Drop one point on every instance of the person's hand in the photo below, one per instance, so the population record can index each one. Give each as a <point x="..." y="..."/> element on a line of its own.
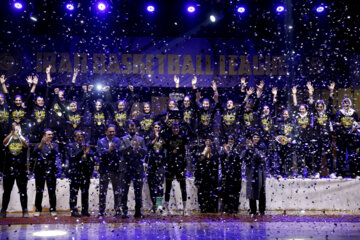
<point x="111" y="147"/>
<point x="76" y="72"/>
<point x="274" y="91"/>
<point x="84" y="88"/>
<point x="106" y="88"/>
<point x="90" y="87"/>
<point x="249" y="143"/>
<point x="2" y="79"/>
<point x="176" y="80"/>
<point x="250" y="91"/>
<point x="29" y="80"/>
<point x="332" y="86"/>
<point x="87" y="149"/>
<point x="243" y="82"/>
<point x="310" y="88"/>
<point x="136" y="142"/>
<point x="131" y="88"/>
<point x="194" y="81"/>
<point x="214" y="86"/>
<point x="294" y="90"/>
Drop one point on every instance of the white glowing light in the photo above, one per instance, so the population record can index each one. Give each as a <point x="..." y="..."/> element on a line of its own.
<point x="212" y="18"/>
<point x="49" y="233"/>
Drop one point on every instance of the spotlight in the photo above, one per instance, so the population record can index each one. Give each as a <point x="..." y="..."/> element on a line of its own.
<point x="191" y="9"/>
<point x="101" y="6"/>
<point x="150" y="8"/>
<point x="280" y="8"/>
<point x="70" y="6"/>
<point x="99" y="86"/>
<point x="212" y="18"/>
<point x="241" y="9"/>
<point x="320" y="9"/>
<point x="18" y="5"/>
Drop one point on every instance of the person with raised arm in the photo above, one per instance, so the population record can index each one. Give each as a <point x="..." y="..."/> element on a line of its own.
<point x="15" y="168"/>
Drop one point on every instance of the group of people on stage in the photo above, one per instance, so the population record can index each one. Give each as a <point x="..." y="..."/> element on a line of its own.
<point x="78" y="131"/>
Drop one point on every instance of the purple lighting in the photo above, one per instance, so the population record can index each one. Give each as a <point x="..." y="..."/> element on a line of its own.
<point x="241" y="10"/>
<point x="101" y="6"/>
<point x="150" y="8"/>
<point x="280" y="8"/>
<point x="70" y="6"/>
<point x="191" y="9"/>
<point x="320" y="9"/>
<point x="18" y="5"/>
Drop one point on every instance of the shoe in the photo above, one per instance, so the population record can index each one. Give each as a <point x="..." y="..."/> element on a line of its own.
<point x="316" y="176"/>
<point x="185" y="212"/>
<point x="339" y="177"/>
<point x="85" y="214"/>
<point x="53" y="214"/>
<point x="25" y="213"/>
<point x="75" y="214"/>
<point x="124" y="215"/>
<point x="333" y="176"/>
<point x="37" y="214"/>
<point x="118" y="214"/>
<point x="3" y="214"/>
<point x="357" y="177"/>
<point x="138" y="214"/>
<point x="101" y="215"/>
<point x="160" y="210"/>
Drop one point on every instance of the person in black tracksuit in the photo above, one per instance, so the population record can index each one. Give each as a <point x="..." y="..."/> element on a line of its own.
<point x="346" y="120"/>
<point x="255" y="160"/>
<point x="45" y="167"/>
<point x="145" y="121"/>
<point x="15" y="168"/>
<point x="121" y="111"/>
<point x="175" y="166"/>
<point x="231" y="177"/>
<point x="4" y="128"/>
<point x="207" y="177"/>
<point x="322" y="125"/>
<point x="81" y="165"/>
<point x="155" y="170"/>
<point x="284" y="126"/>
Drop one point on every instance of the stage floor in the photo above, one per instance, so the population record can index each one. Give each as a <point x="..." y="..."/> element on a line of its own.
<point x="296" y="225"/>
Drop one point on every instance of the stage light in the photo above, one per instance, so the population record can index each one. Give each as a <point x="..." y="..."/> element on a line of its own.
<point x="320" y="9"/>
<point x="241" y="9"/>
<point x="70" y="6"/>
<point x="212" y="18"/>
<point x="191" y="9"/>
<point x="101" y="6"/>
<point x="18" y="5"/>
<point x="280" y="8"/>
<point x="99" y="86"/>
<point x="50" y="233"/>
<point x="150" y="8"/>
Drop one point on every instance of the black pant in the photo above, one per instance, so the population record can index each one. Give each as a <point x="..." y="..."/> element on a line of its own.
<point x="304" y="157"/>
<point x="179" y="173"/>
<point x="323" y="149"/>
<point x="8" y="183"/>
<point x="82" y="183"/>
<point x="155" y="179"/>
<point x="262" y="203"/>
<point x="231" y="188"/>
<point x="285" y="153"/>
<point x="105" y="178"/>
<point x="345" y="147"/>
<point x="135" y="174"/>
<point x="40" y="179"/>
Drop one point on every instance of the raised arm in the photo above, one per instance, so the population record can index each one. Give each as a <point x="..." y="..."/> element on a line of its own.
<point x="294" y="91"/>
<point x="3" y="84"/>
<point x="259" y="89"/>
<point x="311" y="92"/>
<point x="216" y="93"/>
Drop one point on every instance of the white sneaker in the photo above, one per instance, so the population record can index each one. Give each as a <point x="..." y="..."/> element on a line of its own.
<point x="185" y="212"/>
<point x="160" y="210"/>
<point x="37" y="214"/>
<point x="316" y="176"/>
<point x="357" y="177"/>
<point x="53" y="214"/>
<point x="333" y="176"/>
<point x="340" y="177"/>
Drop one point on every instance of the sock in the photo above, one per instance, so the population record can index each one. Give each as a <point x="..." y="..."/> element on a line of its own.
<point x="158" y="202"/>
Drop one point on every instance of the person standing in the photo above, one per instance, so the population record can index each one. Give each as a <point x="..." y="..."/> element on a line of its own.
<point x="45" y="167"/>
<point x="133" y="150"/>
<point x="108" y="150"/>
<point x="15" y="168"/>
<point x="81" y="166"/>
